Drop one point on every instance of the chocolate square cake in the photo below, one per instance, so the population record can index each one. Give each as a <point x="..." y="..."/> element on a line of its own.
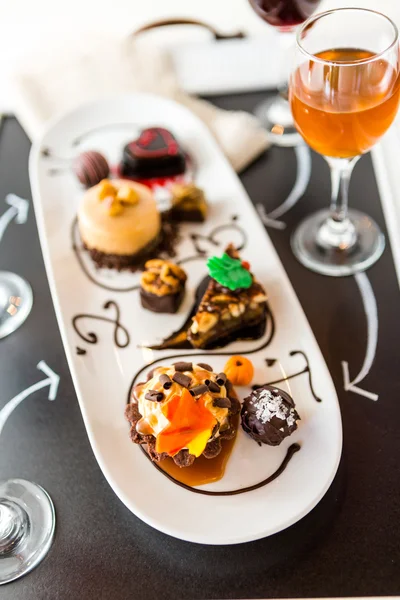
<point x="162" y="286"/>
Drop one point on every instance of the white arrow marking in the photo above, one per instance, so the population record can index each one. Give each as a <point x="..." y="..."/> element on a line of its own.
<point x="52" y="380"/>
<point x="303" y="156"/>
<point x="371" y="312"/>
<point x="18" y="210"/>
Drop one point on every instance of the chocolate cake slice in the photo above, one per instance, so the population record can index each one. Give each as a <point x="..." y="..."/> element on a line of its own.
<point x="234" y="301"/>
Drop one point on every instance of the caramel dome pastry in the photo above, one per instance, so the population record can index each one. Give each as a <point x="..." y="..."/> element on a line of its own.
<point x="119" y="223"/>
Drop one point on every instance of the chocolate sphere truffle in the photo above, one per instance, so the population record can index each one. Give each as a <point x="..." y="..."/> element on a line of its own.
<point x="269" y="415"/>
<point x="90" y="168"/>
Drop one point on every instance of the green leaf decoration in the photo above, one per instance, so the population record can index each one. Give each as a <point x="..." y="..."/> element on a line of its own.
<point x="229" y="272"/>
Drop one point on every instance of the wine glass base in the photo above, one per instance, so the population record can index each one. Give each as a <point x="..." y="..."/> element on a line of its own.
<point x="37" y="537"/>
<point x="334" y="261"/>
<point x="275" y="116"/>
<point x="16" y="299"/>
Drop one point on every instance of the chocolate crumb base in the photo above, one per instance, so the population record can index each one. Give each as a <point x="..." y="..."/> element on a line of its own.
<point x="163" y="244"/>
<point x="169" y="303"/>
<point x="189" y="216"/>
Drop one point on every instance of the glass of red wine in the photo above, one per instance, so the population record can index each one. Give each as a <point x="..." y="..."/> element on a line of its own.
<point x="274" y="113"/>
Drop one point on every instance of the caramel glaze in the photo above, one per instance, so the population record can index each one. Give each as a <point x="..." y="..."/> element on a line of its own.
<point x="203" y="470"/>
<point x="290" y="452"/>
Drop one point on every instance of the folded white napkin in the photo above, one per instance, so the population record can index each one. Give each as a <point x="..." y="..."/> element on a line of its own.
<point x="71" y="75"/>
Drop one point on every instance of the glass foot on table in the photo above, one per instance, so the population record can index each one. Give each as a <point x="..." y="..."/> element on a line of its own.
<point x="275" y="115"/>
<point x="310" y="247"/>
<point x="27" y="523"/>
<point x="16" y="301"/>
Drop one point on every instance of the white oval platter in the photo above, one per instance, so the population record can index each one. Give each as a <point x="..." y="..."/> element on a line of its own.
<point x="103" y="372"/>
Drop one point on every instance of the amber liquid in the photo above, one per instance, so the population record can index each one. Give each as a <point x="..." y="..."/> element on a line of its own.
<point x="203" y="470"/>
<point x="342" y="110"/>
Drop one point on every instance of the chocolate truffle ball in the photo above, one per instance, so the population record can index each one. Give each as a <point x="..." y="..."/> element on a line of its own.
<point x="269" y="415"/>
<point x="90" y="168"/>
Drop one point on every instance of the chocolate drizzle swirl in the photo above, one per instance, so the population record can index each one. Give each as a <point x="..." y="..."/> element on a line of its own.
<point x="211" y="238"/>
<point x="307" y="369"/>
<point x="170" y="238"/>
<point x="119" y="329"/>
<point x="290" y="452"/>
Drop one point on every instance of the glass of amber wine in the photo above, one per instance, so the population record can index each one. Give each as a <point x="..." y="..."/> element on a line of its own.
<point x="344" y="94"/>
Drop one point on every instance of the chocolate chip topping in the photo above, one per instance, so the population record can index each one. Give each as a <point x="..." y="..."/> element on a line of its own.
<point x="213" y="387"/>
<point x="221" y="379"/>
<point x="154" y="396"/>
<point x="183" y="380"/>
<point x="222" y="402"/>
<point x="198" y="390"/>
<point x="205" y="367"/>
<point x="183" y="366"/>
<point x="165" y="381"/>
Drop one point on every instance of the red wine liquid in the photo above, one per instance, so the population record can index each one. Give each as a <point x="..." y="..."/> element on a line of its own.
<point x="284" y="13"/>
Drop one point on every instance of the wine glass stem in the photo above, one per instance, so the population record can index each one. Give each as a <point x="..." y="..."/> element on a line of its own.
<point x="13" y="525"/>
<point x="338" y="231"/>
<point x="286" y="44"/>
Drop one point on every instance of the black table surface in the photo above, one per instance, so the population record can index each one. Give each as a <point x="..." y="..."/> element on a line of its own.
<point x="347" y="546"/>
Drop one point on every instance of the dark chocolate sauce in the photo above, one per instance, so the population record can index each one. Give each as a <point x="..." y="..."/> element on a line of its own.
<point x="212" y="236"/>
<point x="290" y="452"/>
<point x="178" y="339"/>
<point x="307" y="369"/>
<point x="119" y="329"/>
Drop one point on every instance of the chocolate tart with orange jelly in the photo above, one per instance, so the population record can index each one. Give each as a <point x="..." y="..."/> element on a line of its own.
<point x="233" y="301"/>
<point x="119" y="224"/>
<point x="183" y="412"/>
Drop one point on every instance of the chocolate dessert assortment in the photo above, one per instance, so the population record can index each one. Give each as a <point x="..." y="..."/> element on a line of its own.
<point x="162" y="286"/>
<point x="156" y="161"/>
<point x="182" y="412"/>
<point x="269" y="415"/>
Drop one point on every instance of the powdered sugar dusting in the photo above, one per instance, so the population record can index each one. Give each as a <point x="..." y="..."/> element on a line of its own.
<point x="267" y="406"/>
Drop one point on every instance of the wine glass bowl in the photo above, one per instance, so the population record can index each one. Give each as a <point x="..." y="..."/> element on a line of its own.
<point x="284" y="14"/>
<point x="342" y="112"/>
<point x="274" y="113"/>
<point x="344" y="95"/>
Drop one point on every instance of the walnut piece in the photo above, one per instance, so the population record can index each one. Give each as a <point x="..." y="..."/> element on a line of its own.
<point x="203" y="322"/>
<point x="162" y="277"/>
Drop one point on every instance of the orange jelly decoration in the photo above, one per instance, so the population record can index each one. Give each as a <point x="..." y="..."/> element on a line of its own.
<point x="190" y="425"/>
